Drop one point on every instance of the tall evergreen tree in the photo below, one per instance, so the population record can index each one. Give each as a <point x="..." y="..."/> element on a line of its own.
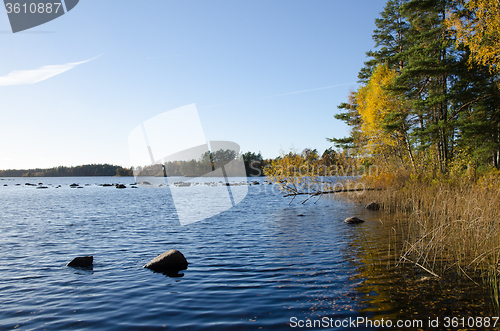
<point x="428" y="75"/>
<point x="350" y="116"/>
<point x="391" y="42"/>
<point x="476" y="108"/>
<point x="390" y="38"/>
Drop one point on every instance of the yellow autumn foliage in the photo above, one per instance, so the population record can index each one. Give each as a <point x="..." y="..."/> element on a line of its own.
<point x="480" y="32"/>
<point x="374" y="104"/>
<point x="295" y="173"/>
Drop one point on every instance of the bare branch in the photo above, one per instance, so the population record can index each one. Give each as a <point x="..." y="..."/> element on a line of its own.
<point x="331" y="192"/>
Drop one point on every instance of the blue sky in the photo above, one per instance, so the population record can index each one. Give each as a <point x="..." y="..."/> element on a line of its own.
<point x="267" y="75"/>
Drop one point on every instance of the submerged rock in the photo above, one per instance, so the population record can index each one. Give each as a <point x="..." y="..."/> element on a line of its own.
<point x="172" y="260"/>
<point x="353" y="220"/>
<point x="82" y="262"/>
<point x="373" y="206"/>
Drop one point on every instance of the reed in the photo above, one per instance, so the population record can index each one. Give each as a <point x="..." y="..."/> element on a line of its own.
<point x="447" y="224"/>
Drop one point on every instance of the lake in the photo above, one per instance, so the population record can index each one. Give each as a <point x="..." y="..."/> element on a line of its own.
<point x="262" y="264"/>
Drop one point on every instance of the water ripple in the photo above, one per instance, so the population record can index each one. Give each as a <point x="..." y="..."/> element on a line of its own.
<point x="254" y="266"/>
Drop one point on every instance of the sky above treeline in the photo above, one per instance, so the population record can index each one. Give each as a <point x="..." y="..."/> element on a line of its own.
<point x="267" y="75"/>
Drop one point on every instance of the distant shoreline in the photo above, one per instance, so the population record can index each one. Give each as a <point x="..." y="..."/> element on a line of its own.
<point x="87" y="170"/>
<point x="74" y="176"/>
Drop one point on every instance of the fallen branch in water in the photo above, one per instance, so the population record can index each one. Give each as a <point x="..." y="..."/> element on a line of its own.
<point x="421" y="266"/>
<point x="330" y="192"/>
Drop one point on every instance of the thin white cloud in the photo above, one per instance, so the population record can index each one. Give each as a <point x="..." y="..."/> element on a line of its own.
<point x="162" y="57"/>
<point x="21" y="77"/>
<point x="280" y="95"/>
<point x="309" y="90"/>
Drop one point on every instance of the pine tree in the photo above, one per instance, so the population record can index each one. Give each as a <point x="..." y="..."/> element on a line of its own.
<point x="428" y="75"/>
<point x="476" y="109"/>
<point x="390" y="40"/>
<point x="351" y="117"/>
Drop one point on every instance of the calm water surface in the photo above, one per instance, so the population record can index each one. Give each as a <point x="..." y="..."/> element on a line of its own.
<point x="252" y="267"/>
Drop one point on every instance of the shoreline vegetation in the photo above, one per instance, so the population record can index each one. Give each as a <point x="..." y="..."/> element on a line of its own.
<point x="228" y="162"/>
<point x="445" y="224"/>
<point x="425" y="132"/>
<point x="254" y="164"/>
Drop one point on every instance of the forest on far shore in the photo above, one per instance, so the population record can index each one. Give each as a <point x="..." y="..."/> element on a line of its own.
<point x="254" y="163"/>
<point x="77" y="171"/>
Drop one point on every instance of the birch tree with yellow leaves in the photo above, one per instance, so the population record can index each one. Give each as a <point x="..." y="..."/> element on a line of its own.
<point x="383" y="119"/>
<point x="478" y="28"/>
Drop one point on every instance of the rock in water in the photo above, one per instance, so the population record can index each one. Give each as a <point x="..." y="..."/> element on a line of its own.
<point x="353" y="220"/>
<point x="82" y="262"/>
<point x="168" y="261"/>
<point x="373" y="206"/>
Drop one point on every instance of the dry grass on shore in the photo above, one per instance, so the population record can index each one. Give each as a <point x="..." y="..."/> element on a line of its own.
<point x="450" y="224"/>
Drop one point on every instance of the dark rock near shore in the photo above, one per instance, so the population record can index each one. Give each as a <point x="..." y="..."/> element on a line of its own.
<point x="82" y="262"/>
<point x="168" y="262"/>
<point x="74" y="185"/>
<point x="120" y="186"/>
<point x="353" y="220"/>
<point x="373" y="206"/>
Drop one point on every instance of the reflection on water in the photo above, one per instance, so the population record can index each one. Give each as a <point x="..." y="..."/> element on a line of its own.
<point x="399" y="291"/>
